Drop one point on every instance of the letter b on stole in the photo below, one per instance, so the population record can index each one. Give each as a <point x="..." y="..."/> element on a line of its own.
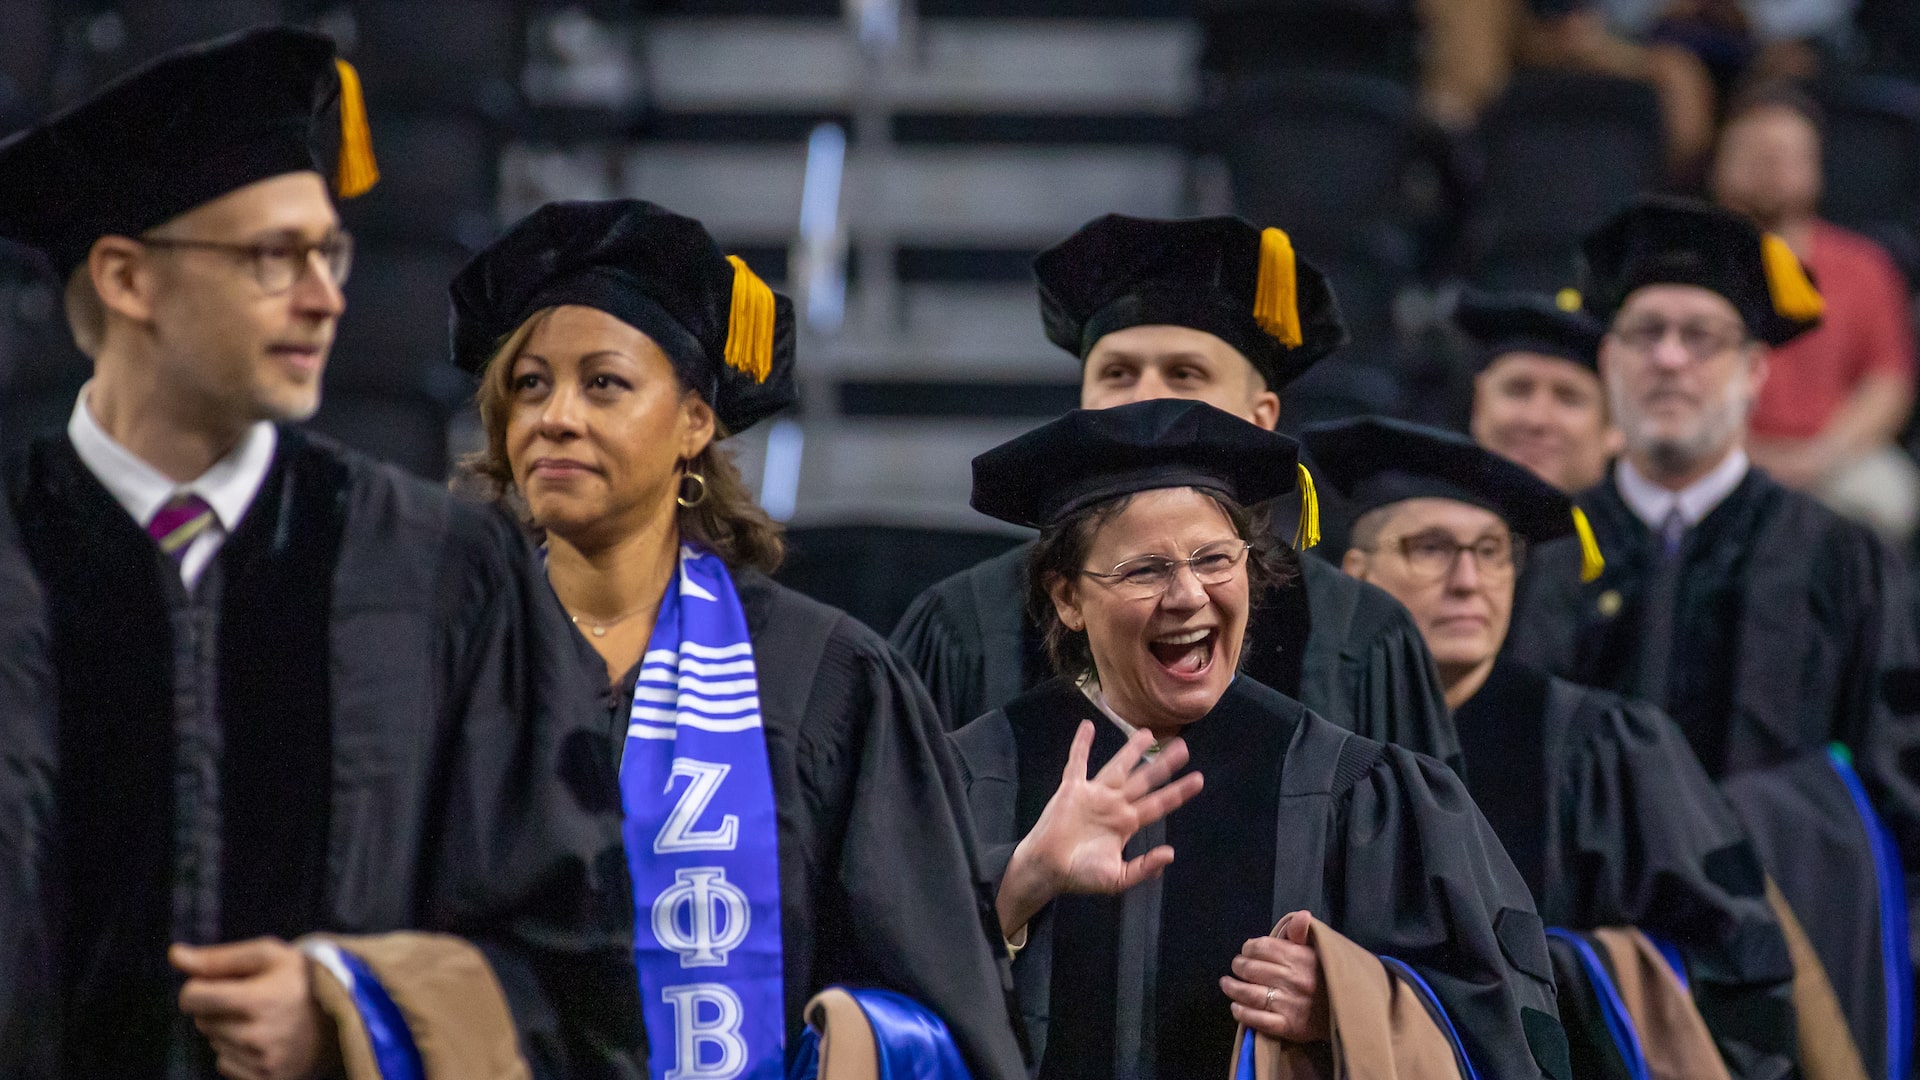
<point x="697" y="1036"/>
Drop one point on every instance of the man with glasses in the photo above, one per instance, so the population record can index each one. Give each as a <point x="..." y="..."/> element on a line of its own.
<point x="1189" y="309"/>
<point x="1766" y="625"/>
<point x="1599" y="801"/>
<point x="299" y="691"/>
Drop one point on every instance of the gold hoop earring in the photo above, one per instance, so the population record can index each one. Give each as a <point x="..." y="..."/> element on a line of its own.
<point x="698" y="498"/>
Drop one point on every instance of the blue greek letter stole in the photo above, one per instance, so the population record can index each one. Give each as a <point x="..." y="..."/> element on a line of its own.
<point x="702" y="840"/>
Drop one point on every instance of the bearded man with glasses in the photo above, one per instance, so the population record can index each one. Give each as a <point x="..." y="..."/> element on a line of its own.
<point x="308" y="706"/>
<point x="1778" y="635"/>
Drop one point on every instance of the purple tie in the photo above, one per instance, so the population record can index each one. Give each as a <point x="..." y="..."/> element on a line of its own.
<point x="1673" y="532"/>
<point x="184" y="517"/>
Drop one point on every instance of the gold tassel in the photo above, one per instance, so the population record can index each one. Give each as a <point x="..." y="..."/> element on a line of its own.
<point x="356" y="172"/>
<point x="1308" y="534"/>
<point x="1276" y="292"/>
<point x="1567" y="299"/>
<point x="1591" y="561"/>
<point x="1794" y="297"/>
<point x="750" y="323"/>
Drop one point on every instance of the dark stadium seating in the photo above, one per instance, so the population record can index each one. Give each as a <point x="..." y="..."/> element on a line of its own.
<point x="454" y="55"/>
<point x="1560" y="152"/>
<point x="873" y="572"/>
<point x="1872" y="143"/>
<point x="438" y="189"/>
<point x="1323" y="154"/>
<point x="1006" y="124"/>
<point x="155" y="26"/>
<point x="396" y="320"/>
<point x="405" y="426"/>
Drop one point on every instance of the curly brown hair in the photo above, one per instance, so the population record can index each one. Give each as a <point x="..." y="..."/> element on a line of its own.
<point x="1063" y="547"/>
<point x="727" y="521"/>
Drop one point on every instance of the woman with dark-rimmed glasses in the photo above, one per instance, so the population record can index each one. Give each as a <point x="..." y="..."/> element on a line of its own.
<point x="1140" y="899"/>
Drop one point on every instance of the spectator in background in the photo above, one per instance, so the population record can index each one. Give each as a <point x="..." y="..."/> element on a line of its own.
<point x="1829" y="416"/>
<point x="1739" y="39"/>
<point x="1578" y="35"/>
<point x="1457" y="52"/>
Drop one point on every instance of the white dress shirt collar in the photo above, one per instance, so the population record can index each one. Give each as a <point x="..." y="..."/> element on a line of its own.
<point x="1651" y="503"/>
<point x="228" y="487"/>
<point x="1090" y="687"/>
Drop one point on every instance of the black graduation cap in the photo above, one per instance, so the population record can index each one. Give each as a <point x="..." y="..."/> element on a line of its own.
<point x="1091" y="455"/>
<point x="180" y="131"/>
<point x="730" y="337"/>
<point x="1527" y="322"/>
<point x="1687" y="242"/>
<point x="1374" y="461"/>
<point x="1218" y="274"/>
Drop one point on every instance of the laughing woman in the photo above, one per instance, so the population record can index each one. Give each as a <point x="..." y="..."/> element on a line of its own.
<point x="792" y="819"/>
<point x="1137" y="963"/>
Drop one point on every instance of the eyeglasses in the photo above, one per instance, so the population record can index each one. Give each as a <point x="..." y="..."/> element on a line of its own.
<point x="1150" y="575"/>
<point x="277" y="264"/>
<point x="1431" y="555"/>
<point x="1701" y="340"/>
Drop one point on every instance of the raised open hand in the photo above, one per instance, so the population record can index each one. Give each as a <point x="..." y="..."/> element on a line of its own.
<point x="1078" y="844"/>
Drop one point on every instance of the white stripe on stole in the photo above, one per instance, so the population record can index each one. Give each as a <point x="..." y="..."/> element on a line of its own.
<point x="703" y="652"/>
<point x="702" y="687"/>
<point x="655" y="727"/>
<point x="654" y="667"/>
<point x="741" y="722"/>
<point x="694" y="702"/>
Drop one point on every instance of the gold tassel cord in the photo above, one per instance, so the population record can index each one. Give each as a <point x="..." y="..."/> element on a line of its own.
<point x="750" y="323"/>
<point x="1276" y="292"/>
<point x="1591" y="561"/>
<point x="356" y="172"/>
<point x="1794" y="297"/>
<point x="1308" y="534"/>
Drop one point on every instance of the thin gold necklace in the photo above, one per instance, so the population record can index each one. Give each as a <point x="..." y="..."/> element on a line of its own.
<point x="599" y="628"/>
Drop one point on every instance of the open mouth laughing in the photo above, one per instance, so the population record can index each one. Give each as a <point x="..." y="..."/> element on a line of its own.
<point x="1188" y="654"/>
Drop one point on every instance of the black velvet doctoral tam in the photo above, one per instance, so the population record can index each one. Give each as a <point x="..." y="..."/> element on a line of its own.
<point x="730" y="338"/>
<point x="1204" y="273"/>
<point x="180" y="131"/>
<point x="1374" y="461"/>
<point x="1671" y="241"/>
<point x="1526" y="322"/>
<point x="1092" y="455"/>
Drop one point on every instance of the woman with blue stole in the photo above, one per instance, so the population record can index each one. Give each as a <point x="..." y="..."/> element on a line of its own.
<point x="793" y="816"/>
<point x="1141" y="901"/>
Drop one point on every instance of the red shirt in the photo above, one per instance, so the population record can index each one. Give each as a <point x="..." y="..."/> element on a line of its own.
<point x="1867" y="329"/>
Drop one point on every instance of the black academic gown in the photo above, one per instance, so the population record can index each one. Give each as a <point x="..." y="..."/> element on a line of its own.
<point x="1345" y="648"/>
<point x="27" y="770"/>
<point x="1383" y="845"/>
<point x="1612" y="822"/>
<point x="1780" y="628"/>
<point x="368" y="716"/>
<point x="879" y="886"/>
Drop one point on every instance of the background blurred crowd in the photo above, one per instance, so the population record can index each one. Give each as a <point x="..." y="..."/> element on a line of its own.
<point x="896" y="166"/>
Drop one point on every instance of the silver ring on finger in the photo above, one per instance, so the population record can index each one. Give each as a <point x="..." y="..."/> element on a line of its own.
<point x="1266" y="1003"/>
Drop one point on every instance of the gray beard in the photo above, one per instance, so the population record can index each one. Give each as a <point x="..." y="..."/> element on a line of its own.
<point x="1679" y="455"/>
